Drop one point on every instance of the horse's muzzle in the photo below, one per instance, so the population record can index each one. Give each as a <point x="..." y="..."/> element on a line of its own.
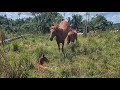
<point x="51" y="39"/>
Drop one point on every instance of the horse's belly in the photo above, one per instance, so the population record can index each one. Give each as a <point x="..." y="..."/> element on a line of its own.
<point x="60" y="40"/>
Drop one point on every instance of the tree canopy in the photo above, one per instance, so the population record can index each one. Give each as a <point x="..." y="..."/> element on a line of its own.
<point x="41" y="22"/>
<point x="99" y="22"/>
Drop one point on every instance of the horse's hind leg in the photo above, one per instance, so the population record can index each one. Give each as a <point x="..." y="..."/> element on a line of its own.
<point x="76" y="38"/>
<point x="63" y="49"/>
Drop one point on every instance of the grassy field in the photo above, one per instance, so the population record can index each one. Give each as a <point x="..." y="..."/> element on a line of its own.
<point x="96" y="56"/>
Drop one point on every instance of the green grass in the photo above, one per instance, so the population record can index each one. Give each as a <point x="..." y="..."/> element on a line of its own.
<point x="95" y="56"/>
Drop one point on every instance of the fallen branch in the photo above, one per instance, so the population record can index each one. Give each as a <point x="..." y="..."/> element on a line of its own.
<point x="13" y="39"/>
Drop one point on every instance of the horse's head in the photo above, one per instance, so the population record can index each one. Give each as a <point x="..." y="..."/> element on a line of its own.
<point x="53" y="31"/>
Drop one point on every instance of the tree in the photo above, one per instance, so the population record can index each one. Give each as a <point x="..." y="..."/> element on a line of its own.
<point x="40" y="22"/>
<point x="99" y="22"/>
<point x="116" y="26"/>
<point x="76" y="20"/>
<point x="45" y="20"/>
<point x="86" y="24"/>
<point x="109" y="26"/>
<point x="19" y="14"/>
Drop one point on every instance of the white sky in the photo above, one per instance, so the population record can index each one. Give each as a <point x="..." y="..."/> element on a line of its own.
<point x="111" y="16"/>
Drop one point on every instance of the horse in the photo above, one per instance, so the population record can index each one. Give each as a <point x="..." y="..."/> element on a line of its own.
<point x="72" y="36"/>
<point x="60" y="31"/>
<point x="42" y="59"/>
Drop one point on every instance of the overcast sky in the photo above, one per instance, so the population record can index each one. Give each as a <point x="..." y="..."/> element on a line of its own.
<point x="111" y="16"/>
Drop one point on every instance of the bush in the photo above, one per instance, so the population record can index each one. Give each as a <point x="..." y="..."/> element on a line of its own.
<point x="15" y="47"/>
<point x="118" y="39"/>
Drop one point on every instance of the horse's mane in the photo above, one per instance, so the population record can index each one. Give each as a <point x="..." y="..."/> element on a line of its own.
<point x="55" y="25"/>
<point x="64" y="25"/>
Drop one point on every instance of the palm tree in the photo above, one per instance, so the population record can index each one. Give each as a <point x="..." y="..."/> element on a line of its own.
<point x="19" y="14"/>
<point x="87" y="15"/>
<point x="64" y="15"/>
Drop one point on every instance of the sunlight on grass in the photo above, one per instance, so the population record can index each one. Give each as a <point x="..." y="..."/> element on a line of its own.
<point x="94" y="57"/>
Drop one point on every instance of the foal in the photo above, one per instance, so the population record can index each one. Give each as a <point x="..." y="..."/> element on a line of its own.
<point x="42" y="60"/>
<point x="72" y="36"/>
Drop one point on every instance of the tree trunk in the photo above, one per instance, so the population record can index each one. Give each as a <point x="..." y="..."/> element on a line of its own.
<point x="13" y="39"/>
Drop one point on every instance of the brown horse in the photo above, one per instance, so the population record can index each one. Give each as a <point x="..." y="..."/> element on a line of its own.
<point x="40" y="65"/>
<point x="43" y="59"/>
<point x="72" y="36"/>
<point x="61" y="32"/>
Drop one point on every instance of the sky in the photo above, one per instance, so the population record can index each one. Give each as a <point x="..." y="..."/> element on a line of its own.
<point x="110" y="16"/>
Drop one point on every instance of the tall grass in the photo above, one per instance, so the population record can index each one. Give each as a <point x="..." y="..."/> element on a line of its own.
<point x="94" y="56"/>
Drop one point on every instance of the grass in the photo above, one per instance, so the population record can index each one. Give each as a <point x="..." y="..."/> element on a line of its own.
<point x="96" y="56"/>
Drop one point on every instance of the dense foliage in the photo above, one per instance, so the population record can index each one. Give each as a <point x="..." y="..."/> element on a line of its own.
<point x="41" y="22"/>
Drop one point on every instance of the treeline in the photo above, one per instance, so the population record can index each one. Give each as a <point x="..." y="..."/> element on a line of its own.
<point x="41" y="22"/>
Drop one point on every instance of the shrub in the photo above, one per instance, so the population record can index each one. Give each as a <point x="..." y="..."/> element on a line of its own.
<point x="15" y="47"/>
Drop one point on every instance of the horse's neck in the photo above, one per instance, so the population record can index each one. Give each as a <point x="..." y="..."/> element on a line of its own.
<point x="63" y="34"/>
<point x="60" y="35"/>
<point x="66" y="32"/>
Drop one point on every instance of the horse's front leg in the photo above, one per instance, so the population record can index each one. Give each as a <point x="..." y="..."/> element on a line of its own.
<point x="68" y="40"/>
<point x="63" y="47"/>
<point x="76" y="39"/>
<point x="58" y="46"/>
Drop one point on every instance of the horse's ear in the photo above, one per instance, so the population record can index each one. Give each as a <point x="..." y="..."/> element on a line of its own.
<point x="52" y="24"/>
<point x="43" y="55"/>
